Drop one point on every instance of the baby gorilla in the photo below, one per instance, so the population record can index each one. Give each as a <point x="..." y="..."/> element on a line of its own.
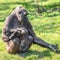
<point x="22" y="41"/>
<point x="18" y="33"/>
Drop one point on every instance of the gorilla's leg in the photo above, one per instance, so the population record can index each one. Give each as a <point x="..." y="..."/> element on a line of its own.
<point x="25" y="44"/>
<point x="13" y="46"/>
<point x="45" y="44"/>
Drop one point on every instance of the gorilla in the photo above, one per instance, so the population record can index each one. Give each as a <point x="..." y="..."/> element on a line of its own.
<point x="18" y="33"/>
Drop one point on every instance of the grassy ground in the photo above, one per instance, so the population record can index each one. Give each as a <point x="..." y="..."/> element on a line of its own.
<point x="46" y="26"/>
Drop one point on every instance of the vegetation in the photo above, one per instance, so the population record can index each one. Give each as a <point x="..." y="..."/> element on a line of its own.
<point x="46" y="25"/>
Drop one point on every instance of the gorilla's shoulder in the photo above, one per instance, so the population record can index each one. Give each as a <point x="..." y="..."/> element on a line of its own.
<point x="8" y="18"/>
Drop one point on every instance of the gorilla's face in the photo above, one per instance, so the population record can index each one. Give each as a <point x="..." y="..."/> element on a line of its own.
<point x="21" y="13"/>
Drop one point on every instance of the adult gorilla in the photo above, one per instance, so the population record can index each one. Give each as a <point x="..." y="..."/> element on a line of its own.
<point x="18" y="33"/>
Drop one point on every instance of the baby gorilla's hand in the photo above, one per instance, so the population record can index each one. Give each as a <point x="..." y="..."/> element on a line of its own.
<point x="22" y="31"/>
<point x="13" y="30"/>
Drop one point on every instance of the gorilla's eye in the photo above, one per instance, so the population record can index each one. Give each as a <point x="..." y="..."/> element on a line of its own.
<point x="20" y="12"/>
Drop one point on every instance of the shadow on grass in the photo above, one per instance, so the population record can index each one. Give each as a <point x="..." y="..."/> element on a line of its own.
<point x="58" y="52"/>
<point x="1" y="20"/>
<point x="52" y="15"/>
<point x="0" y="31"/>
<point x="4" y="6"/>
<point x="40" y="54"/>
<point x="54" y="5"/>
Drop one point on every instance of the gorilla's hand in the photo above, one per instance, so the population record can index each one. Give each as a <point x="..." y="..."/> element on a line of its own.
<point x="54" y="48"/>
<point x="6" y="39"/>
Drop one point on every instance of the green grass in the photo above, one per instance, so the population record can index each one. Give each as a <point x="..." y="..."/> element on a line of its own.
<point x="45" y="25"/>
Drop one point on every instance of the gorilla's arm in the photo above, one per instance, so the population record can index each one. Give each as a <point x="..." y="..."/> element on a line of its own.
<point x="6" y="33"/>
<point x="29" y="27"/>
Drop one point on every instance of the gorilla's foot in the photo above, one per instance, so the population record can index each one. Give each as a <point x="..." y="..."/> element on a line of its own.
<point x="54" y="48"/>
